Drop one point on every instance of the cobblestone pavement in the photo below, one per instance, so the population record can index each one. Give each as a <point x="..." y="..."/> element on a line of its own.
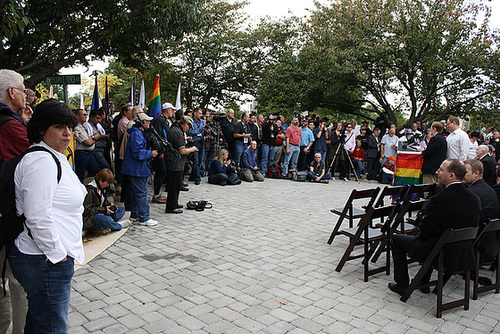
<point x="257" y="262"/>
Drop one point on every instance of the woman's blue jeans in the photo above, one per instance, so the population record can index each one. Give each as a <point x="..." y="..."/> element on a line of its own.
<point x="48" y="287"/>
<point x="138" y="189"/>
<point x="105" y="221"/>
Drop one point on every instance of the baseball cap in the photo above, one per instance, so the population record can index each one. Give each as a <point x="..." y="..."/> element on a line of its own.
<point x="143" y="117"/>
<point x="167" y="106"/>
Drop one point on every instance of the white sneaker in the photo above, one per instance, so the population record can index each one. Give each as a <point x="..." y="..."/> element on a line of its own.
<point x="125" y="223"/>
<point x="150" y="222"/>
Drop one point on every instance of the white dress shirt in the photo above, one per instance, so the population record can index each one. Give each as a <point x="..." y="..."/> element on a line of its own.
<point x="53" y="210"/>
<point x="458" y="145"/>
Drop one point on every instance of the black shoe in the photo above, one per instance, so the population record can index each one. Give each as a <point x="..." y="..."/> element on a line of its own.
<point x="184" y="189"/>
<point x="397" y="289"/>
<point x="425" y="290"/>
<point x="174" y="211"/>
<point x="180" y="206"/>
<point x="184" y="184"/>
<point x="222" y="183"/>
<point x="197" y="182"/>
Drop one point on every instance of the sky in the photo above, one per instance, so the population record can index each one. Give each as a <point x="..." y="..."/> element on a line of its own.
<point x="256" y="9"/>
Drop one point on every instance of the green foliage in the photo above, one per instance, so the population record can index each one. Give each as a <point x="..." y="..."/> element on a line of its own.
<point x="426" y="58"/>
<point x="64" y="33"/>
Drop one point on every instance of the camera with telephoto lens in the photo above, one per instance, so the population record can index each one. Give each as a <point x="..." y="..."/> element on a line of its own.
<point x="158" y="143"/>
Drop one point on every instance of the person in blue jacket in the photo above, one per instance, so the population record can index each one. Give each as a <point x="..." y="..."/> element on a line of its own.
<point x="221" y="170"/>
<point x="135" y="165"/>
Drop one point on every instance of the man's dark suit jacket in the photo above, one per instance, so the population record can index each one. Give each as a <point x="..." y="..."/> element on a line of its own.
<point x="489" y="165"/>
<point x="372" y="143"/>
<point x="490" y="244"/>
<point x="434" y="154"/>
<point x="454" y="207"/>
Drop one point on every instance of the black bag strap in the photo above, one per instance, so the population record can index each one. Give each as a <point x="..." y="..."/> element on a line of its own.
<point x="43" y="149"/>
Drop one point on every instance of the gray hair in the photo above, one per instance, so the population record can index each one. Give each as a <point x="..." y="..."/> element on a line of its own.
<point x="9" y="78"/>
<point x="136" y="110"/>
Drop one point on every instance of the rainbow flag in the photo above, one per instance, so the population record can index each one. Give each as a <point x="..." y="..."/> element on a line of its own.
<point x="155" y="102"/>
<point x="408" y="168"/>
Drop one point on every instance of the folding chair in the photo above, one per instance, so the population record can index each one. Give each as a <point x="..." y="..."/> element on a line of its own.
<point x="353" y="213"/>
<point x="449" y="236"/>
<point x="417" y="189"/>
<point x="396" y="191"/>
<point x="368" y="236"/>
<point x="492" y="227"/>
<point x="399" y="220"/>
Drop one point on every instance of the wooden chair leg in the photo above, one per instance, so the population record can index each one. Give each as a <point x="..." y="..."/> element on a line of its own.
<point x="497" y="289"/>
<point x="439" y="308"/>
<point x="346" y="255"/>
<point x="335" y="229"/>
<point x="475" y="291"/>
<point x="467" y="290"/>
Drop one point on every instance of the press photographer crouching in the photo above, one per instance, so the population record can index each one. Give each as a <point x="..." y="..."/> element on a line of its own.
<point x="221" y="170"/>
<point x="101" y="216"/>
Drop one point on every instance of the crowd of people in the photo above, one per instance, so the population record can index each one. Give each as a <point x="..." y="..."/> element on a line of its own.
<point x="97" y="156"/>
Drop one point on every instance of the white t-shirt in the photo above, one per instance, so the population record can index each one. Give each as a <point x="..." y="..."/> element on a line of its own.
<point x="53" y="210"/>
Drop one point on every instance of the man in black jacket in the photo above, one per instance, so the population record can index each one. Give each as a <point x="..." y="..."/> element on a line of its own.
<point x="434" y="154"/>
<point x="489" y="164"/>
<point x="490" y="244"/>
<point x="373" y="154"/>
<point x="454" y="207"/>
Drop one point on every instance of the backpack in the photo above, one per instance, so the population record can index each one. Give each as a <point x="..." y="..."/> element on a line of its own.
<point x="299" y="176"/>
<point x="5" y="118"/>
<point x="274" y="172"/>
<point x="11" y="225"/>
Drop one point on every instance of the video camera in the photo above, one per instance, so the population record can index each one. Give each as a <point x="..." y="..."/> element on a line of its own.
<point x="158" y="143"/>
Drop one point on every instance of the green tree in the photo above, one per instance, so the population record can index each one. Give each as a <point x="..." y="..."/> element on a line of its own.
<point x="223" y="58"/>
<point x="425" y="58"/>
<point x="43" y="36"/>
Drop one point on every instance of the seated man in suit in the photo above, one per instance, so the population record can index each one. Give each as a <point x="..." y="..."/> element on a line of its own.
<point x="490" y="244"/>
<point x="454" y="207"/>
<point x="489" y="164"/>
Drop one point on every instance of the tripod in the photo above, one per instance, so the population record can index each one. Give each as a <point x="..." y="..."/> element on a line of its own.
<point x="336" y="157"/>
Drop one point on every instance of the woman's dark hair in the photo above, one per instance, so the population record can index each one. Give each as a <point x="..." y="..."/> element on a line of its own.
<point x="47" y="113"/>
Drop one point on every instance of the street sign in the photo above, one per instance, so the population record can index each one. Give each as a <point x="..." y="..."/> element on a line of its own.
<point x="71" y="79"/>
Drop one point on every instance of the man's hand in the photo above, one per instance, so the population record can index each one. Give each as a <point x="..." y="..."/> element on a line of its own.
<point x="155" y="153"/>
<point x="306" y="149"/>
<point x="318" y="179"/>
<point x="255" y="168"/>
<point x="287" y="151"/>
<point x="26" y="113"/>
<point x="194" y="149"/>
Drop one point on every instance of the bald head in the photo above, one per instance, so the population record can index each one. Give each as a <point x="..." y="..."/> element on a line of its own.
<point x="481" y="151"/>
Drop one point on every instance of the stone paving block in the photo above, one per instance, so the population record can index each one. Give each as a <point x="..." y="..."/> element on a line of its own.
<point x="267" y="274"/>
<point x="131" y="321"/>
<point x="116" y="329"/>
<point x="98" y="324"/>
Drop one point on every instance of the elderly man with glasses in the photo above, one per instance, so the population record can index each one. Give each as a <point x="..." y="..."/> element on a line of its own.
<point x="14" y="113"/>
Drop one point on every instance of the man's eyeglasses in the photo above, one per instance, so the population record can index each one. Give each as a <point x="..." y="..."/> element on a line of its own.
<point x="25" y="91"/>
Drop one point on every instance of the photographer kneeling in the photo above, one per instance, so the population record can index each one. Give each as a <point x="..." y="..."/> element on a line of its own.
<point x="221" y="170"/>
<point x="250" y="171"/>
<point x="102" y="216"/>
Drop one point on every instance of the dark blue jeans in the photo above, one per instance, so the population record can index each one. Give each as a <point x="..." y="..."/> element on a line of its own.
<point x="138" y="189"/>
<point x="48" y="287"/>
<point x="267" y="157"/>
<point x="98" y="153"/>
<point x="84" y="160"/>
<point x="238" y="151"/>
<point x="218" y="178"/>
<point x="105" y="221"/>
<point x="198" y="160"/>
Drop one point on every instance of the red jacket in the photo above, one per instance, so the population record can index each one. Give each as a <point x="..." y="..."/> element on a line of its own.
<point x="13" y="135"/>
